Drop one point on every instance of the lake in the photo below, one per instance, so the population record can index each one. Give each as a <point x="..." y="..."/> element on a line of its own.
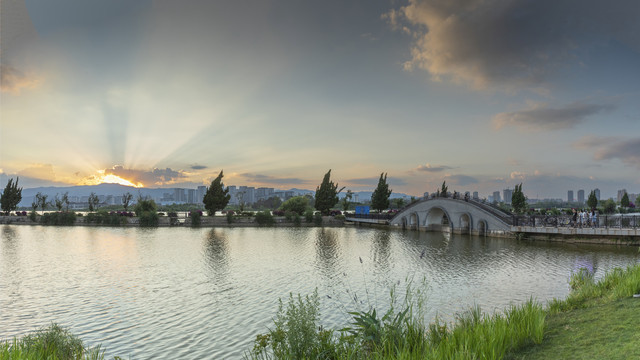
<point x="206" y="293"/>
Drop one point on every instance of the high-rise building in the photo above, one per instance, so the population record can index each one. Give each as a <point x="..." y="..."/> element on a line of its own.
<point x="508" y="193"/>
<point x="597" y="192"/>
<point x="570" y="196"/>
<point x="201" y="191"/>
<point x="581" y="196"/>
<point x="475" y="195"/>
<point x="496" y="196"/>
<point x="621" y="194"/>
<point x="178" y="195"/>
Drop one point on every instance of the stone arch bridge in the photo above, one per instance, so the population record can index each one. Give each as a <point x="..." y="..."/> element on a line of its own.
<point x="455" y="216"/>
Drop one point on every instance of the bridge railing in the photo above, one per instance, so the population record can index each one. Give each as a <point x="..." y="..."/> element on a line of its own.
<point x="601" y="221"/>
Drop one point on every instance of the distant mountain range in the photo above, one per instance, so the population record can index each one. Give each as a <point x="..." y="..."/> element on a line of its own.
<point x="28" y="195"/>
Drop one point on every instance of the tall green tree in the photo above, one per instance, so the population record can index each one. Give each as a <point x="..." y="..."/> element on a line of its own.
<point x="609" y="206"/>
<point x="216" y="197"/>
<point x="625" y="200"/>
<point x="297" y="204"/>
<point x="592" y="201"/>
<point x="518" y="200"/>
<point x="380" y="196"/>
<point x="326" y="194"/>
<point x="11" y="196"/>
<point x="444" y="190"/>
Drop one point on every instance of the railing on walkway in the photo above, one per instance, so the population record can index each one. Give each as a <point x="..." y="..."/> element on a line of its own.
<point x="601" y="221"/>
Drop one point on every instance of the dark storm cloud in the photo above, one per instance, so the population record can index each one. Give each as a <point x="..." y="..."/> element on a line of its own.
<point x="266" y="179"/>
<point x="198" y="167"/>
<point x="542" y="117"/>
<point x="608" y="148"/>
<point x="510" y="43"/>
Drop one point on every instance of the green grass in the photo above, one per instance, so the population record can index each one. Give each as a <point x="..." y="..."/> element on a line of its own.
<point x="52" y="343"/>
<point x="602" y="331"/>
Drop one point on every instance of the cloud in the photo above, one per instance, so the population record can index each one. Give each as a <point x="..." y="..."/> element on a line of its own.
<point x="13" y="81"/>
<point x="542" y="117"/>
<point x="429" y="168"/>
<point x="461" y="180"/>
<point x="266" y="179"/>
<point x="373" y="181"/>
<point x="517" y="175"/>
<point x="38" y="171"/>
<point x="608" y="148"/>
<point x="147" y="177"/>
<point x="510" y="44"/>
<point x="198" y="167"/>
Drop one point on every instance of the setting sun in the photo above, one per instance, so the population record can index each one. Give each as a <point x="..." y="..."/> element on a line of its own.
<point x="103" y="178"/>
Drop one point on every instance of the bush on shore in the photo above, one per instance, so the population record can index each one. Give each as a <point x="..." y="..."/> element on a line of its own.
<point x="53" y="342"/>
<point x="58" y="218"/>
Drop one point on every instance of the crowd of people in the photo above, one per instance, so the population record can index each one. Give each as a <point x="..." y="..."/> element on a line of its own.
<point x="585" y="218"/>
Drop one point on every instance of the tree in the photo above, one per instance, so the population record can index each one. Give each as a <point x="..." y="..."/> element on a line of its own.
<point x="42" y="200"/>
<point x="240" y="199"/>
<point x="126" y="199"/>
<point x="609" y="206"/>
<point x="93" y="201"/>
<point x="637" y="201"/>
<point x="346" y="200"/>
<point x="518" y="200"/>
<point x="380" y="196"/>
<point x="326" y="194"/>
<point x="11" y="196"/>
<point x="592" y="201"/>
<point x="297" y="204"/>
<point x="216" y="197"/>
<point x="444" y="190"/>
<point x="625" y="200"/>
<point x="65" y="200"/>
<point x="58" y="202"/>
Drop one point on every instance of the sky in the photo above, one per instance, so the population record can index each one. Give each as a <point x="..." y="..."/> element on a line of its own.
<point x="480" y="94"/>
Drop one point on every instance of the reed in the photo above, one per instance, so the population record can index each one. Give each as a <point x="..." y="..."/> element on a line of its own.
<point x="53" y="342"/>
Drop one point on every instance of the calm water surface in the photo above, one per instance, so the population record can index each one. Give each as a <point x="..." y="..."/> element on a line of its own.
<point x="205" y="293"/>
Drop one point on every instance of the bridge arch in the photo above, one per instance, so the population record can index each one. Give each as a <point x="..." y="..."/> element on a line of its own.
<point x="454" y="215"/>
<point x="438" y="219"/>
<point x="414" y="221"/>
<point x="482" y="227"/>
<point x="465" y="224"/>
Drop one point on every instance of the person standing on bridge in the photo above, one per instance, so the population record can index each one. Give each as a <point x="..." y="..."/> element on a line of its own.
<point x="574" y="218"/>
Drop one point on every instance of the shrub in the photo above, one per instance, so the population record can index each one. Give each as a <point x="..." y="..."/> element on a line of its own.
<point x="33" y="216"/>
<point x="289" y="215"/>
<point x="230" y="218"/>
<point x="264" y="218"/>
<point x="296" y="204"/>
<point x="278" y="213"/>
<point x="308" y="215"/>
<point x="53" y="342"/>
<point x="317" y="219"/>
<point x="58" y="218"/>
<point x="297" y="220"/>
<point x="148" y="218"/>
<point x="340" y="217"/>
<point x="196" y="218"/>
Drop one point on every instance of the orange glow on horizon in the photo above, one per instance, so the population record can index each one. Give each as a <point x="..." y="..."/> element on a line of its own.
<point x="109" y="179"/>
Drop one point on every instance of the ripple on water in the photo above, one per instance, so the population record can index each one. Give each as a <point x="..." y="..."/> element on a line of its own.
<point x="206" y="293"/>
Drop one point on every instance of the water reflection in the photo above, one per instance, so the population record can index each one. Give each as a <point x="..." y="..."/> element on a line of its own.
<point x="216" y="255"/>
<point x="381" y="248"/>
<point x="327" y="251"/>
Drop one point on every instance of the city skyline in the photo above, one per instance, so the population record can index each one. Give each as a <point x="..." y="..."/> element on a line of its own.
<point x="160" y="94"/>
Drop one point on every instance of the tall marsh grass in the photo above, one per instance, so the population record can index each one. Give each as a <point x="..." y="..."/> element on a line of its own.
<point x="399" y="333"/>
<point x="616" y="284"/>
<point x="53" y="342"/>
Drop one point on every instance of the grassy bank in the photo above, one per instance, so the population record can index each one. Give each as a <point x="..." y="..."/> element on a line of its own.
<point x="52" y="343"/>
<point x="597" y="320"/>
